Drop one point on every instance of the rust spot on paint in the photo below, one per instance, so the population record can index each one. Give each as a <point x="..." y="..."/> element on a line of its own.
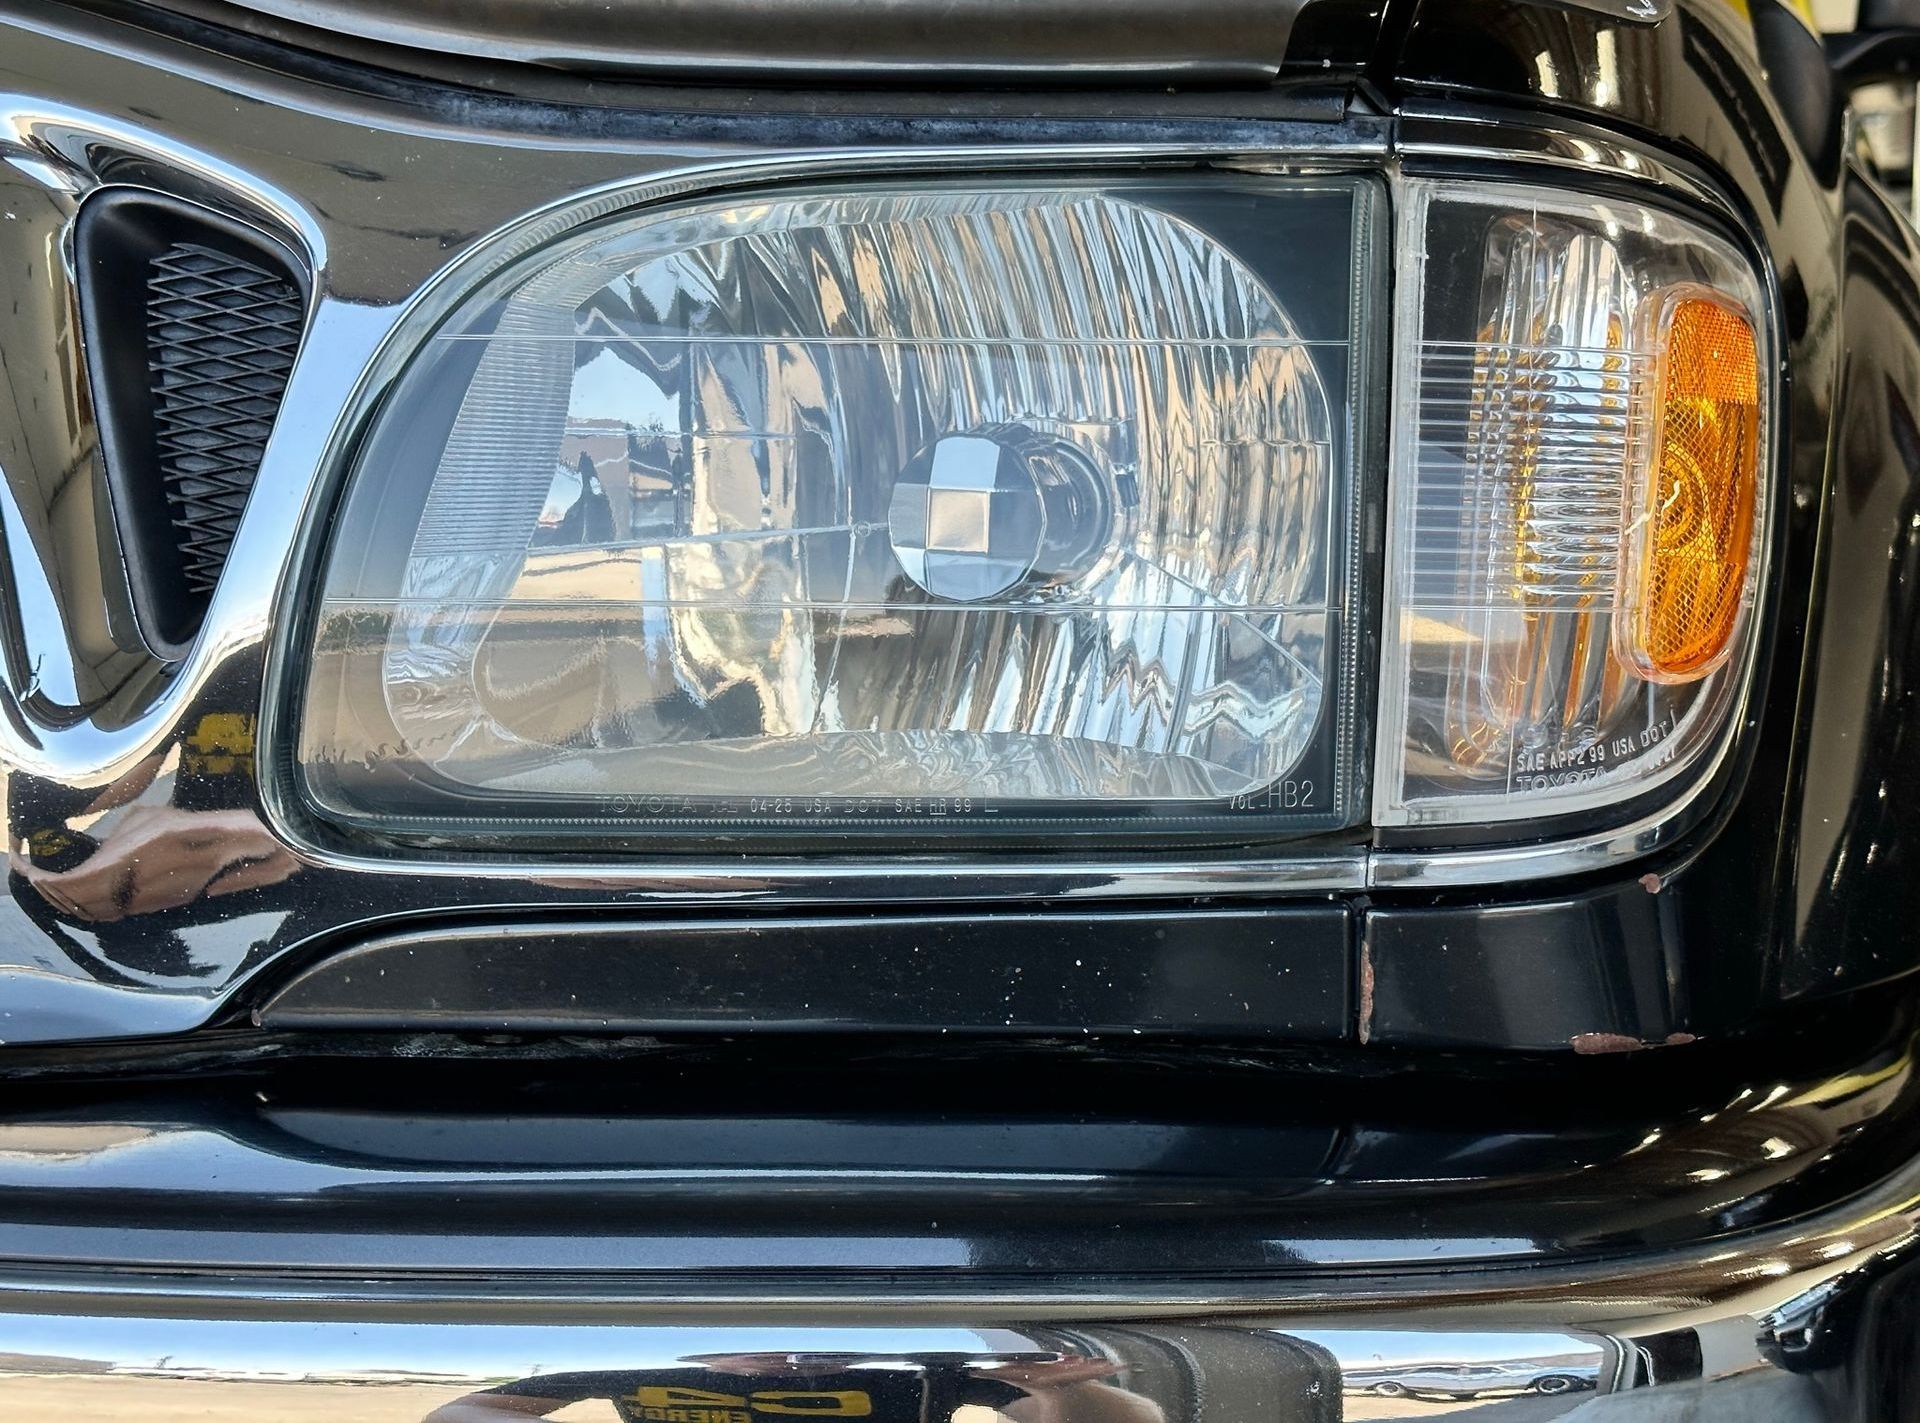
<point x="1651" y="883"/>
<point x="1366" y="992"/>
<point x="1587" y="1044"/>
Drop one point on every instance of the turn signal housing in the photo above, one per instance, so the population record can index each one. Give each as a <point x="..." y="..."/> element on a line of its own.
<point x="1577" y="507"/>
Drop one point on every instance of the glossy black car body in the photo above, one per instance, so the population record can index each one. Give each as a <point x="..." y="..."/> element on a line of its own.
<point x="281" y="1101"/>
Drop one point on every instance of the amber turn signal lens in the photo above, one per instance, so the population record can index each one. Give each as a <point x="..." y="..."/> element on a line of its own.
<point x="1691" y="546"/>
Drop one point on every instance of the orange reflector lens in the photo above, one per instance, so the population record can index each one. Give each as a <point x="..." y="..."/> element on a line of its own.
<point x="1692" y="546"/>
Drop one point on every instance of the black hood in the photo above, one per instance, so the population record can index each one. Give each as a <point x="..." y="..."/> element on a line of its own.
<point x="1074" y="42"/>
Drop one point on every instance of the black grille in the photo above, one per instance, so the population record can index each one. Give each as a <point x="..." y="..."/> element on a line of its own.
<point x="191" y="321"/>
<point x="221" y="336"/>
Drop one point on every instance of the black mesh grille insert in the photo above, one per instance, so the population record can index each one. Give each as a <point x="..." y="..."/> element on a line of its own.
<point x="191" y="321"/>
<point x="221" y="335"/>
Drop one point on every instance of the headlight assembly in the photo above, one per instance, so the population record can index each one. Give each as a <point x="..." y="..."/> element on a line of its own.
<point x="977" y="508"/>
<point x="1005" y="508"/>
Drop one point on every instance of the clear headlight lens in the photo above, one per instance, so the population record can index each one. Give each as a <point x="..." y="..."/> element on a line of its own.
<point x="1577" y="510"/>
<point x="983" y="508"/>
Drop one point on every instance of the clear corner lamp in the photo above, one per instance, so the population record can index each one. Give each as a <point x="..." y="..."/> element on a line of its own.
<point x="982" y="507"/>
<point x="1578" y="515"/>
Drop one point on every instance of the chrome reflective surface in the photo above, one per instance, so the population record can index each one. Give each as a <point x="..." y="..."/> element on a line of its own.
<point x="1069" y="1371"/>
<point x="1818" y="1325"/>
